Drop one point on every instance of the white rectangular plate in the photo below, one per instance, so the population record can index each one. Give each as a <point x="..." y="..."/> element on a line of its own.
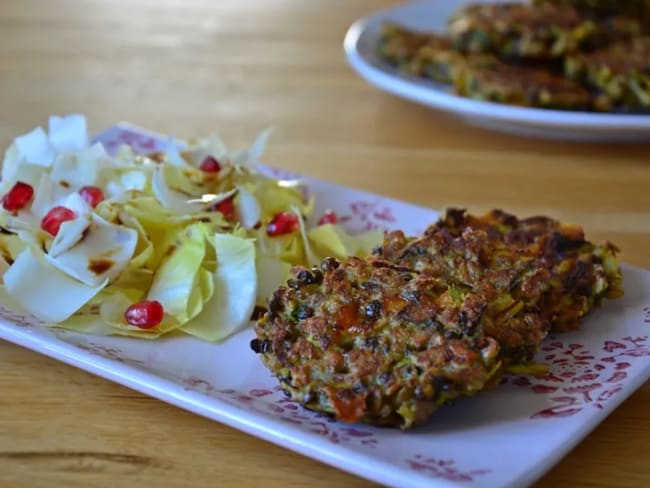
<point x="477" y="441"/>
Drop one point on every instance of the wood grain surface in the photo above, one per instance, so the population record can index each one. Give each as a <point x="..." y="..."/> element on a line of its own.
<point x="237" y="66"/>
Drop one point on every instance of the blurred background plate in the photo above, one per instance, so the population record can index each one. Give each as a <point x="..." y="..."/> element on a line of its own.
<point x="432" y="15"/>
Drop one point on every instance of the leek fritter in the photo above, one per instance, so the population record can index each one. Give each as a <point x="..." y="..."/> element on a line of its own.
<point x="546" y="267"/>
<point x="618" y="74"/>
<point x="524" y="86"/>
<point x="539" y="32"/>
<point x="367" y="341"/>
<point x="426" y="55"/>
<point x="399" y="45"/>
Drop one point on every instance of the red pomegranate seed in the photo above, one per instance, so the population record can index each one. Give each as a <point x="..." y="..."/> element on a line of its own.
<point x="283" y="223"/>
<point x="329" y="217"/>
<point x="19" y="196"/>
<point x="210" y="165"/>
<point x="55" y="217"/>
<point x="145" y="314"/>
<point x="92" y="195"/>
<point x="227" y="208"/>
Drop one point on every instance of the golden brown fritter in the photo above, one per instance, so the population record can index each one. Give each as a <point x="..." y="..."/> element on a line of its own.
<point x="538" y="32"/>
<point x="399" y="45"/>
<point x="618" y="74"/>
<point x="389" y="339"/>
<point x="426" y="54"/>
<point x="539" y="264"/>
<point x="585" y="55"/>
<point x="479" y="76"/>
<point x="461" y="261"/>
<point x="525" y="86"/>
<point x="367" y="341"/>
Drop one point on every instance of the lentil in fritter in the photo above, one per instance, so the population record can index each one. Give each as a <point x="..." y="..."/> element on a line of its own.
<point x="426" y="55"/>
<point x="619" y="74"/>
<point x="539" y="32"/>
<point x="524" y="86"/>
<point x="543" y="266"/>
<point x="368" y="341"/>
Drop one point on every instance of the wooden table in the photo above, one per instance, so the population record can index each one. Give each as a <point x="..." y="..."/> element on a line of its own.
<point x="191" y="67"/>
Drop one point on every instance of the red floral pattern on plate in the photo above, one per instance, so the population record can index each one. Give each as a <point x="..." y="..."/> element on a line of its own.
<point x="442" y="468"/>
<point x="23" y="320"/>
<point x="109" y="353"/>
<point x="364" y="215"/>
<point x="139" y="142"/>
<point x="579" y="378"/>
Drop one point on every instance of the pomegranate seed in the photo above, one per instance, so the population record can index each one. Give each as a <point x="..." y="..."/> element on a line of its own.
<point x="91" y="195"/>
<point x="227" y="208"/>
<point x="19" y="196"/>
<point x="329" y="217"/>
<point x="145" y="314"/>
<point x="283" y="223"/>
<point x="55" y="217"/>
<point x="210" y="165"/>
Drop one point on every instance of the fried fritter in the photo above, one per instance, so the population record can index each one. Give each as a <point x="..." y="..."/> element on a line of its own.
<point x="462" y="260"/>
<point x="426" y="55"/>
<point x="538" y="32"/>
<point x="633" y="8"/>
<point x="526" y="86"/>
<point x="536" y="265"/>
<point x="399" y="45"/>
<point x="619" y="73"/>
<point x="449" y="66"/>
<point x="479" y="76"/>
<point x="367" y="341"/>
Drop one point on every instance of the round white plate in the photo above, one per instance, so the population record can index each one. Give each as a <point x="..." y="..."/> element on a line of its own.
<point x="431" y="15"/>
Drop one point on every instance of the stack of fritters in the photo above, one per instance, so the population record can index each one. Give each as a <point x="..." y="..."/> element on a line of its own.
<point x="388" y="339"/>
<point x="533" y="54"/>
<point x="536" y="272"/>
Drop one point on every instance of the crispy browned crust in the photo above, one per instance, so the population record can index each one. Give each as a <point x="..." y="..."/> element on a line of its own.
<point x="398" y="44"/>
<point x="527" y="86"/>
<point x="420" y="54"/>
<point x="618" y="74"/>
<point x="479" y="76"/>
<point x="462" y="260"/>
<point x="514" y="53"/>
<point x="364" y="340"/>
<point x="539" y="32"/>
<point x="547" y="268"/>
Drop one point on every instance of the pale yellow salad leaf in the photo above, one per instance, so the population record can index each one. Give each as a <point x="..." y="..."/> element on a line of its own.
<point x="332" y="240"/>
<point x="235" y="289"/>
<point x="33" y="282"/>
<point x="177" y="282"/>
<point x="271" y="273"/>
